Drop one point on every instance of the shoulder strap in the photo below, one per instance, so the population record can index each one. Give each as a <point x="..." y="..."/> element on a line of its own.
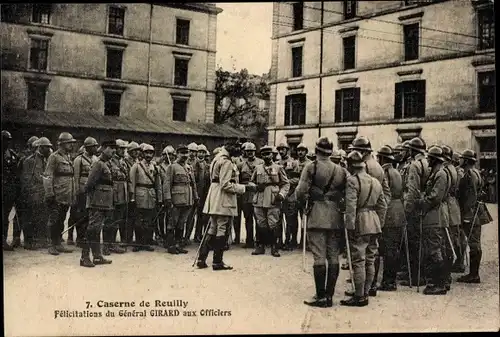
<point x="327" y="187"/>
<point x="147" y="173"/>
<point x="369" y="192"/>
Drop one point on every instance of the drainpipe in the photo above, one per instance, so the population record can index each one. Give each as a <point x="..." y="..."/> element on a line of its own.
<point x="149" y="57"/>
<point x="321" y="69"/>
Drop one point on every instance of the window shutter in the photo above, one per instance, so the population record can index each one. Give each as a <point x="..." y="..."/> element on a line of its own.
<point x="288" y="100"/>
<point x="302" y="110"/>
<point x="338" y="106"/>
<point x="398" y="98"/>
<point x="421" y="98"/>
<point x="356" y="103"/>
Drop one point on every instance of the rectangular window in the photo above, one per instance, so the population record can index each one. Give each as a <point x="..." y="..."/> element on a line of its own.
<point x="8" y="13"/>
<point x="179" y="110"/>
<point x="182" y="32"/>
<point x="487" y="88"/>
<point x="297" y="62"/>
<point x="486" y="20"/>
<point x="347" y="105"/>
<point x="41" y="13"/>
<point x="38" y="54"/>
<point x="411" y="41"/>
<point x="112" y="103"/>
<point x="349" y="52"/>
<point x="116" y="20"/>
<point x="36" y="96"/>
<point x="409" y="99"/>
<point x="349" y="9"/>
<point x="295" y="109"/>
<point x="298" y="15"/>
<point x="181" y="72"/>
<point x="344" y="143"/>
<point x="114" y="63"/>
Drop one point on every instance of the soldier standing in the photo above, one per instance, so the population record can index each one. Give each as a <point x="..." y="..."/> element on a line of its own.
<point x="415" y="179"/>
<point x="434" y="221"/>
<point x="238" y="160"/>
<point x="323" y="182"/>
<point x="302" y="161"/>
<point x="146" y="193"/>
<point x="99" y="191"/>
<point x="221" y="205"/>
<point x="191" y="161"/>
<point x="119" y="175"/>
<point x="469" y="192"/>
<point x="202" y="178"/>
<point x="168" y="152"/>
<point x="364" y="217"/>
<point x="246" y="169"/>
<point x="394" y="221"/>
<point x="129" y="160"/>
<point x="82" y="164"/>
<point x="59" y="190"/>
<point x="180" y="196"/>
<point x="10" y="188"/>
<point x="272" y="188"/>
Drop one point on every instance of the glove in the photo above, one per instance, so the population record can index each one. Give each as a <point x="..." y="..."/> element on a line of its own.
<point x="50" y="200"/>
<point x="251" y="187"/>
<point x="261" y="187"/>
<point x="279" y="198"/>
<point x="168" y="204"/>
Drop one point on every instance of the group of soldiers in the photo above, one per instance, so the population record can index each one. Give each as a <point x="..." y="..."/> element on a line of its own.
<point x="415" y="207"/>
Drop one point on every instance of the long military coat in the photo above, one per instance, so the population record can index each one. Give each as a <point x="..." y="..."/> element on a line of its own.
<point x="82" y="165"/>
<point x="31" y="178"/>
<point x="395" y="216"/>
<point x="451" y="199"/>
<point x="146" y="188"/>
<point x="99" y="186"/>
<point x="275" y="178"/>
<point x="59" y="179"/>
<point x="247" y="168"/>
<point x="433" y="205"/>
<point x="179" y="185"/>
<point x="417" y="175"/>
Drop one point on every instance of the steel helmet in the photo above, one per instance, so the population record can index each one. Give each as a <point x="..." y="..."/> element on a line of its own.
<point x="31" y="141"/>
<point x="192" y="147"/>
<point x="343" y="153"/>
<point x="6" y="134"/>
<point x="361" y="143"/>
<point x="142" y="146"/>
<point x="266" y="149"/>
<point x="125" y="144"/>
<point x="447" y="152"/>
<point x="469" y="154"/>
<point x="436" y="152"/>
<point x="133" y="146"/>
<point x="148" y="148"/>
<point x="250" y="147"/>
<point x="274" y="150"/>
<point x="282" y="145"/>
<point x="355" y="159"/>
<point x="183" y="147"/>
<point x="324" y="145"/>
<point x="244" y="145"/>
<point x="455" y="157"/>
<point x="66" y="137"/>
<point x="336" y="154"/>
<point x="43" y="141"/>
<point x="406" y="145"/>
<point x="169" y="149"/>
<point x="202" y="147"/>
<point x="89" y="141"/>
<point x="302" y="146"/>
<point x="398" y="148"/>
<point x="216" y="150"/>
<point x="417" y="144"/>
<point x="386" y="152"/>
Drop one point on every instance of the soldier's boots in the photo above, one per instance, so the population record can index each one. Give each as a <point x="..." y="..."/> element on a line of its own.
<point x="320" y="300"/>
<point x="101" y="260"/>
<point x="85" y="259"/>
<point x="137" y="248"/>
<point x="275" y="250"/>
<point x="30" y="246"/>
<point x="406" y="283"/>
<point x="105" y="250"/>
<point x="355" y="301"/>
<point x="218" y="246"/>
<point x="16" y="243"/>
<point x="388" y="287"/>
<point x="70" y="241"/>
<point x="435" y="290"/>
<point x="260" y="250"/>
<point x="181" y="250"/>
<point x="204" y="250"/>
<point x="458" y="268"/>
<point x="331" y="281"/>
<point x="248" y="244"/>
<point x="114" y="248"/>
<point x="172" y="250"/>
<point x="53" y="251"/>
<point x="469" y="279"/>
<point x="201" y="264"/>
<point x="372" y="292"/>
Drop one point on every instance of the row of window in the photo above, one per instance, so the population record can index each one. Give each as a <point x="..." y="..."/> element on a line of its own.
<point x="114" y="59"/>
<point x="41" y="13"/>
<point x="409" y="101"/>
<point x="37" y="93"/>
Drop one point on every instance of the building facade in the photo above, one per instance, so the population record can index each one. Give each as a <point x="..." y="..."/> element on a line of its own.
<point x="388" y="70"/>
<point x="136" y="69"/>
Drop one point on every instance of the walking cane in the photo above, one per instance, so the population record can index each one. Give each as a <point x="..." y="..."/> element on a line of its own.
<point x="349" y="261"/>
<point x="451" y="244"/>
<point x="405" y="233"/>
<point x="201" y="244"/>
<point x="467" y="256"/>
<point x="419" y="256"/>
<point x="85" y="217"/>
<point x="304" y="227"/>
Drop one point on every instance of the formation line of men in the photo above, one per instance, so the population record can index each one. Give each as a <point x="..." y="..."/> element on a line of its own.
<point x="415" y="207"/>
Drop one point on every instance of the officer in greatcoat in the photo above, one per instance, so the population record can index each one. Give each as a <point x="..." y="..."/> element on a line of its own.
<point x="272" y="189"/>
<point x="147" y="194"/>
<point x="99" y="192"/>
<point x="202" y="178"/>
<point x="323" y="183"/>
<point x="415" y="179"/>
<point x="60" y="190"/>
<point x="10" y="188"/>
<point x="394" y="220"/>
<point x="35" y="214"/>
<point x="221" y="205"/>
<point x="364" y="218"/>
<point x="246" y="168"/>
<point x="82" y="165"/>
<point x="166" y="159"/>
<point x="434" y="210"/>
<point x="180" y="195"/>
<point x="188" y="227"/>
<point x="302" y="161"/>
<point x="129" y="160"/>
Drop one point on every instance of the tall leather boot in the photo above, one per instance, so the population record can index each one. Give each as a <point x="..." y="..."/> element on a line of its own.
<point x="473" y="276"/>
<point x="373" y="288"/>
<point x="438" y="275"/>
<point x="275" y="242"/>
<point x="106" y="241"/>
<point x="260" y="248"/>
<point x="147" y="239"/>
<point x="331" y="281"/>
<point x="96" y="250"/>
<point x="320" y="299"/>
<point x="85" y="259"/>
<point x="179" y="242"/>
<point x="218" y="263"/>
<point x="237" y="230"/>
<point x="204" y="250"/>
<point x="294" y="229"/>
<point x="113" y="247"/>
<point x="138" y="239"/>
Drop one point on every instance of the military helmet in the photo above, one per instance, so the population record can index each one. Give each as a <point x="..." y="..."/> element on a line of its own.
<point x="132" y="146"/>
<point x="148" y="148"/>
<point x="244" y="145"/>
<point x="121" y="143"/>
<point x="142" y="146"/>
<point x="355" y="159"/>
<point x="249" y="146"/>
<point x="184" y="148"/>
<point x="386" y="152"/>
<point x="66" y="137"/>
<point x="32" y="140"/>
<point x="192" y="147"/>
<point x="417" y="144"/>
<point x="336" y="154"/>
<point x="216" y="150"/>
<point x="43" y="141"/>
<point x="447" y="152"/>
<point x="89" y="141"/>
<point x="266" y="149"/>
<point x="311" y="155"/>
<point x="435" y="152"/>
<point x="361" y="143"/>
<point x="469" y="154"/>
<point x="202" y="147"/>
<point x="343" y="154"/>
<point x="169" y="149"/>
<point x="6" y="134"/>
<point x="274" y="150"/>
<point x="302" y="146"/>
<point x="455" y="157"/>
<point x="282" y="145"/>
<point x="324" y="145"/>
<point x="406" y="145"/>
<point x="108" y="143"/>
<point x="398" y="148"/>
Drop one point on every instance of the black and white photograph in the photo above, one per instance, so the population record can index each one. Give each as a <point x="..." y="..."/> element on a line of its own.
<point x="232" y="168"/>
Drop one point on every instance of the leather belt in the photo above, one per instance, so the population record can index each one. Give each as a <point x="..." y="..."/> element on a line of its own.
<point x="63" y="174"/>
<point x="118" y="180"/>
<point x="180" y="184"/>
<point x="106" y="182"/>
<point x="84" y="175"/>
<point x="366" y="209"/>
<point x="145" y="185"/>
